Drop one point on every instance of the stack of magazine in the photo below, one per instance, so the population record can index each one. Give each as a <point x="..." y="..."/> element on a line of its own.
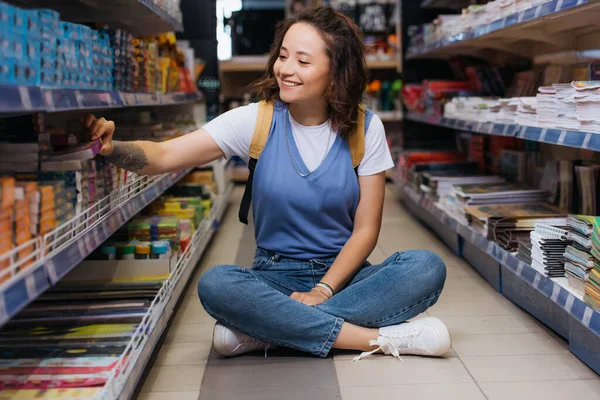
<point x="548" y="244"/>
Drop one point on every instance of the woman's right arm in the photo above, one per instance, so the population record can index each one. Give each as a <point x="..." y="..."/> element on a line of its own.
<point x="154" y="158"/>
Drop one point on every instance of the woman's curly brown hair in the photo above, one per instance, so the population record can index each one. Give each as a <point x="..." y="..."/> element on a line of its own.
<point x="347" y="63"/>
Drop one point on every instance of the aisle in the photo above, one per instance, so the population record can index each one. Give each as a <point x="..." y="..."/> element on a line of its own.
<point x="499" y="351"/>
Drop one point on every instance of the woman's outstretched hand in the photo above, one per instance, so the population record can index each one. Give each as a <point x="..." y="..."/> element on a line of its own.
<point x="312" y="298"/>
<point x="100" y="129"/>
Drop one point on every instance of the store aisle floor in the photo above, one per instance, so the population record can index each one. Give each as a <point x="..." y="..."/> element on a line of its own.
<point x="499" y="351"/>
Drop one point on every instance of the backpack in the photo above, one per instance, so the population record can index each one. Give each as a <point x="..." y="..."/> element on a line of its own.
<point x="262" y="129"/>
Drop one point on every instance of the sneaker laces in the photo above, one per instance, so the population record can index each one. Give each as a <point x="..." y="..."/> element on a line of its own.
<point x="252" y="341"/>
<point x="392" y="344"/>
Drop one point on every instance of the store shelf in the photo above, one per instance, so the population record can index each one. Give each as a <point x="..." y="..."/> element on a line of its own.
<point x="129" y="369"/>
<point x="450" y="4"/>
<point x="60" y="250"/>
<point x="259" y="63"/>
<point x="532" y="284"/>
<point x="140" y="17"/>
<point x="541" y="25"/>
<point x="23" y="99"/>
<point x="560" y="137"/>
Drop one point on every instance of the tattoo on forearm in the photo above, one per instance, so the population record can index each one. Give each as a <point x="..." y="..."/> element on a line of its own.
<point x="128" y="155"/>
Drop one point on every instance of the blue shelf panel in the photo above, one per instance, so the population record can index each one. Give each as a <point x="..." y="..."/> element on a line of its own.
<point x="34" y="280"/>
<point x="20" y="291"/>
<point x="532" y="14"/>
<point x="575" y="307"/>
<point x="18" y="99"/>
<point x="577" y="139"/>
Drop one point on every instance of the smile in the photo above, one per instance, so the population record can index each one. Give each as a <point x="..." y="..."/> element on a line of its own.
<point x="290" y="84"/>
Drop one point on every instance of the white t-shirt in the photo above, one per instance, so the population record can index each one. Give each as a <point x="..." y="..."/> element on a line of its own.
<point x="233" y="133"/>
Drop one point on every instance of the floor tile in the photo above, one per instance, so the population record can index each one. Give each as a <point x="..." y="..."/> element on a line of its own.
<point x="391" y="371"/>
<point x="169" y="396"/>
<point x="268" y="393"/>
<point x="256" y="371"/>
<point x="485" y="325"/>
<point x="446" y="391"/>
<point x="458" y="269"/>
<point x="184" y="353"/>
<point x="523" y="368"/>
<point x="572" y="390"/>
<point x="190" y="311"/>
<point x="504" y="344"/>
<point x="189" y="333"/>
<point x="168" y="378"/>
<point x="472" y="301"/>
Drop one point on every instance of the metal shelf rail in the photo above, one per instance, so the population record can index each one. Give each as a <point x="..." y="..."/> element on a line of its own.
<point x="60" y="250"/>
<point x="17" y="99"/>
<point x="560" y="137"/>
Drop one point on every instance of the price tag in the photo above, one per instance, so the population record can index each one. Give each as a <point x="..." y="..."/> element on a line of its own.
<point x="49" y="100"/>
<point x="520" y="268"/>
<point x="30" y="286"/>
<point x="536" y="280"/>
<point x="81" y="247"/>
<point x="51" y="270"/>
<point x="555" y="292"/>
<point x="587" y="316"/>
<point x="561" y="138"/>
<point x="79" y="98"/>
<point x="3" y="314"/>
<point x="25" y="98"/>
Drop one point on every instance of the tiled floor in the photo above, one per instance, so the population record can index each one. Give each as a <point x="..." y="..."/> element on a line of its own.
<point x="499" y="351"/>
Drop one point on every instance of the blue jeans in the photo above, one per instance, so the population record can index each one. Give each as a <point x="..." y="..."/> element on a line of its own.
<point x="256" y="301"/>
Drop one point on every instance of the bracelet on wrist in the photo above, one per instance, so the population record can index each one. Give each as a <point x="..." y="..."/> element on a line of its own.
<point x="326" y="287"/>
<point x="322" y="291"/>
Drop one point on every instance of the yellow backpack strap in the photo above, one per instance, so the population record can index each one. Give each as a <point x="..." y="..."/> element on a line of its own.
<point x="262" y="128"/>
<point x="259" y="138"/>
<point x="356" y="142"/>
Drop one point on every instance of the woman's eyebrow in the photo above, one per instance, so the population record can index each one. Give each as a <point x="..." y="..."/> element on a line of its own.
<point x="306" y="53"/>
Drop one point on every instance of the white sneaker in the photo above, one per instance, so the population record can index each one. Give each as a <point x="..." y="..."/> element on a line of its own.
<point x="424" y="337"/>
<point x="229" y="342"/>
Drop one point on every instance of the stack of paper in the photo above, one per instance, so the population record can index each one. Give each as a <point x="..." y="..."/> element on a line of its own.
<point x="548" y="244"/>
<point x="508" y="111"/>
<point x="546" y="106"/>
<point x="587" y="98"/>
<point x="582" y="231"/>
<point x="507" y="223"/>
<point x="578" y="264"/>
<point x="498" y="193"/>
<point x="478" y="109"/>
<point x="524" y="250"/>
<point x="566" y="107"/>
<point x="527" y="111"/>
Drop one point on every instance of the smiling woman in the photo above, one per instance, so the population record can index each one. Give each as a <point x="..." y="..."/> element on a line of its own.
<point x="317" y="59"/>
<point x="317" y="211"/>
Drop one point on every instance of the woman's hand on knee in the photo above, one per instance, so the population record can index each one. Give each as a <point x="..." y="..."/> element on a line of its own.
<point x="312" y="298"/>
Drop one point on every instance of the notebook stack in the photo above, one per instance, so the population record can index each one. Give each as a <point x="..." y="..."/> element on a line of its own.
<point x="527" y="111"/>
<point x="507" y="223"/>
<point x="581" y="231"/>
<point x="587" y="100"/>
<point x="548" y="249"/>
<point x="498" y="193"/>
<point x="592" y="288"/>
<point x="546" y="106"/>
<point x="566" y="107"/>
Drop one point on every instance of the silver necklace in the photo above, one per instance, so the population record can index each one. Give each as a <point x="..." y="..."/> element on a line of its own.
<point x="287" y="143"/>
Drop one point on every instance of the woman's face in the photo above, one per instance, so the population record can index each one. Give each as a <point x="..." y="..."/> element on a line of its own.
<point x="302" y="69"/>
